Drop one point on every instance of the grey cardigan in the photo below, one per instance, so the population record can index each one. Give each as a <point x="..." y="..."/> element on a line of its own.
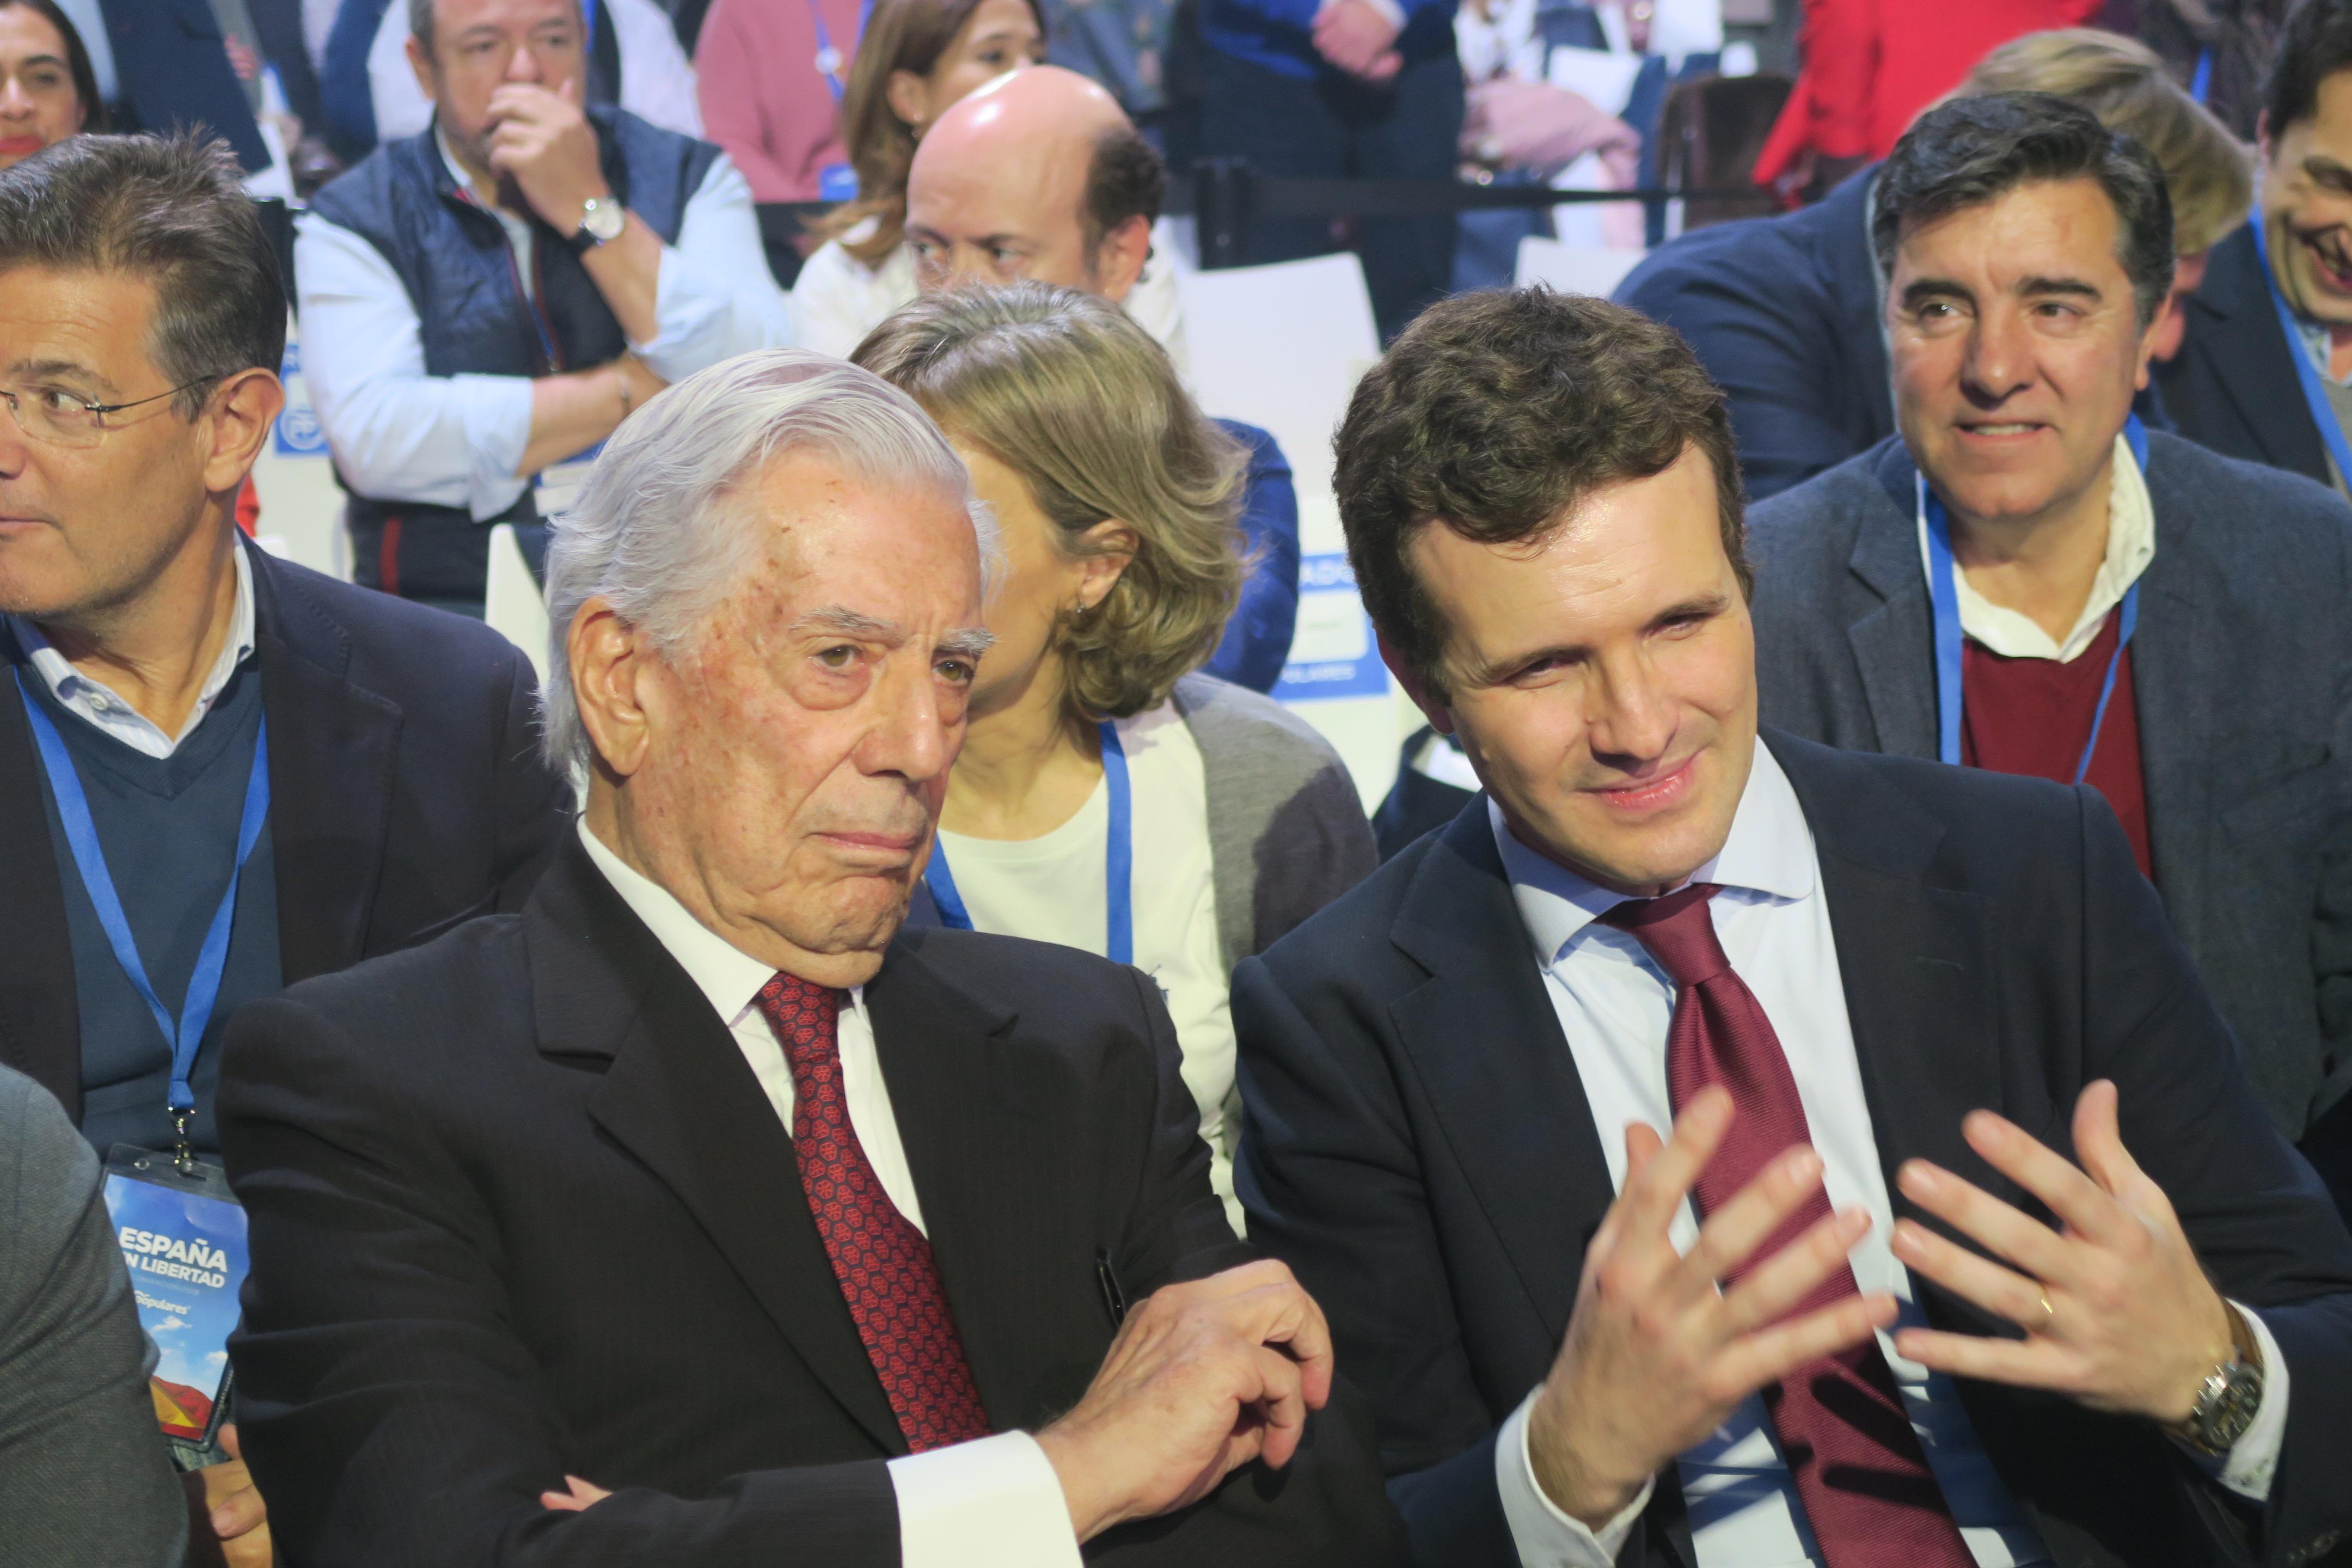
<point x="1287" y="832"/>
<point x="2241" y="673"/>
<point x="83" y="1473"/>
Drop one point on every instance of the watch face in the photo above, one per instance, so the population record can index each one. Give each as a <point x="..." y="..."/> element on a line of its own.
<point x="2223" y="1417"/>
<point x="605" y="220"/>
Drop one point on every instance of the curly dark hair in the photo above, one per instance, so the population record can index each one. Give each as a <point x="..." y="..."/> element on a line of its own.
<point x="1496" y="413"/>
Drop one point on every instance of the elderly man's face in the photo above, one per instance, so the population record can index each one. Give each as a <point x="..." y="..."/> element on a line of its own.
<point x="795" y="753"/>
<point x="2017" y="348"/>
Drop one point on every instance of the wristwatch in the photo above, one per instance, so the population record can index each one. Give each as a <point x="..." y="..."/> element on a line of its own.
<point x="602" y="218"/>
<point x="2229" y="1397"/>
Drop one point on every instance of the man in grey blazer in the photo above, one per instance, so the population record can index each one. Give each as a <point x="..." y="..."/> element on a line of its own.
<point x="2022" y="579"/>
<point x="83" y="1477"/>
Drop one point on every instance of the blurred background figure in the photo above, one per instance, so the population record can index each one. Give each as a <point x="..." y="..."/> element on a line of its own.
<point x="1147" y="54"/>
<point x="2219" y="49"/>
<point x="481" y="303"/>
<point x="165" y="65"/>
<point x="1118" y="502"/>
<point x="1347" y="89"/>
<point x="1870" y="66"/>
<point x="48" y="90"/>
<point x="926" y="56"/>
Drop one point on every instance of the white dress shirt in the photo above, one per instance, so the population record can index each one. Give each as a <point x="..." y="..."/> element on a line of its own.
<point x="656" y="79"/>
<point x="2131" y="546"/>
<point x="399" y="434"/>
<point x="991" y="1503"/>
<point x="104" y="709"/>
<point x="837" y="298"/>
<point x="1614" y="1005"/>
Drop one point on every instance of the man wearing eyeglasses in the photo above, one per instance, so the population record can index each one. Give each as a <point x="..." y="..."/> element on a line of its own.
<point x="219" y="773"/>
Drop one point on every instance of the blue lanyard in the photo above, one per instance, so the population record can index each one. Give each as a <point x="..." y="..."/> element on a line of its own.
<point x="203" y="986"/>
<point x="1944" y="601"/>
<point x="2200" y="86"/>
<point x="828" y="59"/>
<point x="2322" y="413"/>
<point x="1119" y="861"/>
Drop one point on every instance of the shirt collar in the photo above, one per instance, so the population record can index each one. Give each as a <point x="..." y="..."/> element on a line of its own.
<point x="729" y="978"/>
<point x="98" y="704"/>
<point x="1769" y="854"/>
<point x="2131" y="546"/>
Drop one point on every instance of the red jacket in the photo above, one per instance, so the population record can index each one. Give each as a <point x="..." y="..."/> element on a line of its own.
<point x="1872" y="65"/>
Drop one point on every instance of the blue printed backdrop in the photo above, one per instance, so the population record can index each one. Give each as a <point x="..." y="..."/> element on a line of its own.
<point x="1333" y="653"/>
<point x="299" y="435"/>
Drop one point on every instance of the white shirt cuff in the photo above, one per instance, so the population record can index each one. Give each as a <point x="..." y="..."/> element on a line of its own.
<point x="1389" y="9"/>
<point x="1545" y="1536"/>
<point x="993" y="1503"/>
<point x="2249" y="1466"/>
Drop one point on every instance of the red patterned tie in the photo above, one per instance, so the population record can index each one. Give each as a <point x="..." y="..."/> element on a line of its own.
<point x="884" y="1263"/>
<point x="1865" y="1486"/>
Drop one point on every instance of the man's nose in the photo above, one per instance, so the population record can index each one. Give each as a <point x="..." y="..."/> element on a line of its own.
<point x="2000" y="358"/>
<point x="1631" y="718"/>
<point x="524" y="65"/>
<point x="909" y="735"/>
<point x="967" y="264"/>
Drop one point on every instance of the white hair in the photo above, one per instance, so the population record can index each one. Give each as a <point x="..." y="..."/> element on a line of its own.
<point x="652" y="533"/>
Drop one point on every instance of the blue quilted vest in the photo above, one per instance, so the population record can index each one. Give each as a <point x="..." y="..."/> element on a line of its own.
<point x="475" y="318"/>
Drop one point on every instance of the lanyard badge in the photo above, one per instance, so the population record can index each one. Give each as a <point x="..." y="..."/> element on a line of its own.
<point x="1118" y="862"/>
<point x="1944" y="607"/>
<point x="182" y="1239"/>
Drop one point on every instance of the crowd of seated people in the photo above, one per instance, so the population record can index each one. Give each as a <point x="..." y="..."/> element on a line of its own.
<point x="882" y="1040"/>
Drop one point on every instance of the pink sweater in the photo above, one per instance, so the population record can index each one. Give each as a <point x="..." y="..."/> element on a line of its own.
<point x="762" y="98"/>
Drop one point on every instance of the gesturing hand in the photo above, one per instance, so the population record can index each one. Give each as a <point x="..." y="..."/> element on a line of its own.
<point x="2118" y="1313"/>
<point x="1655" y="1356"/>
<point x="1204" y="1378"/>
<point x="542" y="142"/>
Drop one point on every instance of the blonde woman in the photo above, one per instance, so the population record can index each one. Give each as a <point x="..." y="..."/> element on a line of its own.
<point x="1107" y="797"/>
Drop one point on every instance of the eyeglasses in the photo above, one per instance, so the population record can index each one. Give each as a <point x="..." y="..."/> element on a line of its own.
<point x="60" y="418"/>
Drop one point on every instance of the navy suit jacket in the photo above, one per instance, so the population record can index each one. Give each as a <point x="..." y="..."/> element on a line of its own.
<point x="1256" y="643"/>
<point x="406" y="795"/>
<point x="2233" y="387"/>
<point x="171" y="70"/>
<point x="1420" y="1151"/>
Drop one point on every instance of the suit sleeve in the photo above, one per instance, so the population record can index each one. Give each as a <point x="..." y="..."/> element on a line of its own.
<point x="391" y="1410"/>
<point x="1333" y="1184"/>
<point x="2261" y="1221"/>
<point x="534" y="804"/>
<point x="1752" y="327"/>
<point x="2328" y="1141"/>
<point x="1325" y="1508"/>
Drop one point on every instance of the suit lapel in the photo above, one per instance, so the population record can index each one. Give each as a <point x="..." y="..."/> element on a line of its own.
<point x="2254" y="363"/>
<point x="332" y="749"/>
<point x="2174" y="689"/>
<point x="1002" y="1212"/>
<point x="681" y="1098"/>
<point x="40" y="1012"/>
<point x="1895" y="643"/>
<point x="1486" y="1040"/>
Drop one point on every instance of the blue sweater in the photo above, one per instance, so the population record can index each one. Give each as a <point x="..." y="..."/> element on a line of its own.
<point x="1257" y="639"/>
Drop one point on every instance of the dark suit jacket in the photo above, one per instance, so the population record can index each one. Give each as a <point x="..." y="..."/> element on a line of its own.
<point x="405" y="795"/>
<point x="519" y="1208"/>
<point x="1421" y="1149"/>
<point x="2233" y="385"/>
<point x="1783" y="311"/>
<point x="172" y="70"/>
<point x="2241" y="669"/>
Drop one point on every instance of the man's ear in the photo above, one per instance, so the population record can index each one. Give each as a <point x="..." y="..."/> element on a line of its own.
<point x="1119" y="259"/>
<point x="1440" y="716"/>
<point x="239" y="415"/>
<point x="608" y="667"/>
<point x="421" y="63"/>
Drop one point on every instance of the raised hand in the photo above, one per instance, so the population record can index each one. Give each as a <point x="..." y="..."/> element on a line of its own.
<point x="1204" y="1378"/>
<point x="543" y="142"/>
<point x="2118" y="1313"/>
<point x="1656" y="1354"/>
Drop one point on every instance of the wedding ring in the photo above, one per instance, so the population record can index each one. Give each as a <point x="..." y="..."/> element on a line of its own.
<point x="2048" y="1314"/>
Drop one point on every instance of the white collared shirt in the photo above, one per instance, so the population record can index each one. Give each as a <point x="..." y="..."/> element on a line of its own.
<point x="2131" y="545"/>
<point x="1614" y="1005"/>
<point x="993" y="1503"/>
<point x="399" y="434"/>
<point x="98" y="704"/>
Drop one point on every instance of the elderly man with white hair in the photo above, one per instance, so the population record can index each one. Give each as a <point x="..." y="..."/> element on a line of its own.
<point x="697" y="1215"/>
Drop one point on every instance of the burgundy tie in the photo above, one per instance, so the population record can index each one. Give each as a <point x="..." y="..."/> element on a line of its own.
<point x="1865" y="1486"/>
<point x="884" y="1263"/>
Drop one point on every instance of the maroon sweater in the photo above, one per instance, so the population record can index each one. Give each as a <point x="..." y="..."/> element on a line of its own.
<point x="2032" y="716"/>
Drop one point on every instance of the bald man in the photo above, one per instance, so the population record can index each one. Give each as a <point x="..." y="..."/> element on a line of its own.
<point x="1040" y="175"/>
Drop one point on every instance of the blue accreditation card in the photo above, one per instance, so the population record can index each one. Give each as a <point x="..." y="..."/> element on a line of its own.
<point x="182" y="1238"/>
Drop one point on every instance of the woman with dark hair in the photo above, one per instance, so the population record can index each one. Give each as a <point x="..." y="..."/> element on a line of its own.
<point x="919" y="58"/>
<point x="48" y="90"/>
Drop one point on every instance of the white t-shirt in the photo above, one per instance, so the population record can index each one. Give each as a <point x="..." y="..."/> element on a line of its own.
<point x="1051" y="889"/>
<point x="837" y="298"/>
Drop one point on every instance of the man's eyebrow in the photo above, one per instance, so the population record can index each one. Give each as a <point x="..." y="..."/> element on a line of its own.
<point x="1702" y="605"/>
<point x="843" y="621"/>
<point x="1920" y="291"/>
<point x="61" y="370"/>
<point x="2077" y="286"/>
<point x="968" y="642"/>
<point x="2320" y="166"/>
